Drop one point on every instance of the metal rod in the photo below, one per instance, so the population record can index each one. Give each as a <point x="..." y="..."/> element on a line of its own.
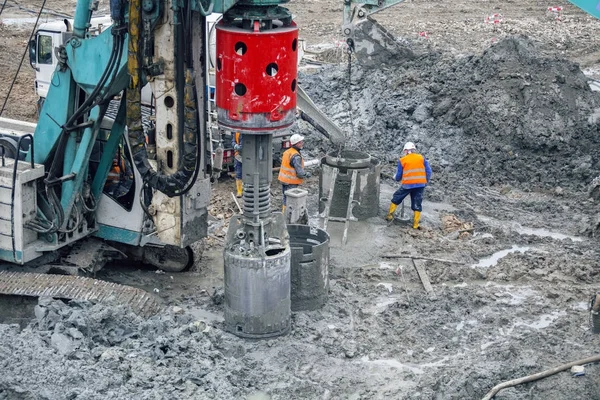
<point x="349" y="209"/>
<point x="237" y="203"/>
<point x="329" y="198"/>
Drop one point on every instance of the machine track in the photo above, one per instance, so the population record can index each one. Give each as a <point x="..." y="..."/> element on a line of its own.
<point x="78" y="288"/>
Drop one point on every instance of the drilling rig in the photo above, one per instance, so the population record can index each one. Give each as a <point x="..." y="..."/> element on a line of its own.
<point x="83" y="183"/>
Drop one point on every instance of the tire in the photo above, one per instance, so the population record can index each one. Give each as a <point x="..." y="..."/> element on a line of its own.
<point x="10" y="147"/>
<point x="169" y="258"/>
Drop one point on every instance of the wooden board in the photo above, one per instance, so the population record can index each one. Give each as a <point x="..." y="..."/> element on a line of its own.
<point x="420" y="267"/>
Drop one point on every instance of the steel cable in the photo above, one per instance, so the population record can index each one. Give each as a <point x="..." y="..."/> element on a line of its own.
<point x="3" y="5"/>
<point x="23" y="57"/>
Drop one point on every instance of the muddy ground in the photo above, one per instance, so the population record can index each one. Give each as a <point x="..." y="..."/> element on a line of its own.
<point x="506" y="118"/>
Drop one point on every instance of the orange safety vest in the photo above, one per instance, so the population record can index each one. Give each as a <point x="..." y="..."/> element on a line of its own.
<point x="287" y="172"/>
<point x="116" y="171"/>
<point x="413" y="169"/>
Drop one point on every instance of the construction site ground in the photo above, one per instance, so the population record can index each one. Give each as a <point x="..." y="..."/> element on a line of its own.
<point x="507" y="119"/>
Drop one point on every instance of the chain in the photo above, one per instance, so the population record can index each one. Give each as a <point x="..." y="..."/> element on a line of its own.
<point x="350" y="50"/>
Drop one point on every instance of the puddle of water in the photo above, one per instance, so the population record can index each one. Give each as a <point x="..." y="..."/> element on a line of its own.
<point x="542" y="322"/>
<point x="479" y="236"/>
<point x="518" y="296"/>
<point x="205" y="315"/>
<point x="494" y="258"/>
<point x="524" y="230"/>
<point x="540" y="232"/>
<point x="385" y="265"/>
<point x="258" y="396"/>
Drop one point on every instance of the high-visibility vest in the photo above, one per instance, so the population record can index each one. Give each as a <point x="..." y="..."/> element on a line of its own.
<point x="413" y="169"/>
<point x="116" y="171"/>
<point x="287" y="172"/>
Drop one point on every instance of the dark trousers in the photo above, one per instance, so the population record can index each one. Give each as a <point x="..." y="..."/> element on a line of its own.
<point x="416" y="197"/>
<point x="237" y="166"/>
<point x="286" y="187"/>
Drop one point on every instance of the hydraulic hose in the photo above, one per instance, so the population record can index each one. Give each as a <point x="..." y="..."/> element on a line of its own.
<point x="90" y="102"/>
<point x="530" y="378"/>
<point x="170" y="184"/>
<point x="207" y="12"/>
<point x="95" y="98"/>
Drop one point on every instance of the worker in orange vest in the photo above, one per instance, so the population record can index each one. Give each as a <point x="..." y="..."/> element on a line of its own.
<point x="236" y="142"/>
<point x="414" y="173"/>
<point x="292" y="173"/>
<point x="120" y="176"/>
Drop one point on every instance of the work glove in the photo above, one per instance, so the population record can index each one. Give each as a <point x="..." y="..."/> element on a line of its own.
<point x="237" y="147"/>
<point x="308" y="174"/>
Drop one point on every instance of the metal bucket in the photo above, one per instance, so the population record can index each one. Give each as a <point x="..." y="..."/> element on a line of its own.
<point x="366" y="193"/>
<point x="257" y="295"/>
<point x="309" y="267"/>
<point x="257" y="278"/>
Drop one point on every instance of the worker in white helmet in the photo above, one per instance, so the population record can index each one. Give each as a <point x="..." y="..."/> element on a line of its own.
<point x="292" y="173"/>
<point x="414" y="173"/>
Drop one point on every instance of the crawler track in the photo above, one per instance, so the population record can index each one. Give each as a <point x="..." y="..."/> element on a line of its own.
<point x="78" y="288"/>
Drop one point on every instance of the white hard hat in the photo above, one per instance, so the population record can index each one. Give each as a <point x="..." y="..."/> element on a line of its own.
<point x="410" y="146"/>
<point x="296" y="138"/>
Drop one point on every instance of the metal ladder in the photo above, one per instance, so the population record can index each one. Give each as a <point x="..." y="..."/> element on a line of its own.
<point x="212" y="126"/>
<point x="351" y="202"/>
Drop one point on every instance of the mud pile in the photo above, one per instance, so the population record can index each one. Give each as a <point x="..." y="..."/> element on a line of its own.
<point x="81" y="350"/>
<point x="372" y="340"/>
<point x="512" y="115"/>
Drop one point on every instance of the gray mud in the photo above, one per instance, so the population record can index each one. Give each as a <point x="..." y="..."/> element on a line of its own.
<point x="509" y="136"/>
<point x="510" y="115"/>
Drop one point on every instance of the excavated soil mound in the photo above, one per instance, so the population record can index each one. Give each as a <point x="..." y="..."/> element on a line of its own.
<point x="511" y="115"/>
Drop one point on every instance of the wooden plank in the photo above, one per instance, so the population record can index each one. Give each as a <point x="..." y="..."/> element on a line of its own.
<point x="407" y="257"/>
<point x="420" y="267"/>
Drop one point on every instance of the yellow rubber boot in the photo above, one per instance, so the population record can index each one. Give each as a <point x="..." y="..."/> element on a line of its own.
<point x="416" y="220"/>
<point x="239" y="184"/>
<point x="390" y="215"/>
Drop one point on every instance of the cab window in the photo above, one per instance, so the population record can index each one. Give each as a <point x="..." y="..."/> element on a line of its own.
<point x="44" y="49"/>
